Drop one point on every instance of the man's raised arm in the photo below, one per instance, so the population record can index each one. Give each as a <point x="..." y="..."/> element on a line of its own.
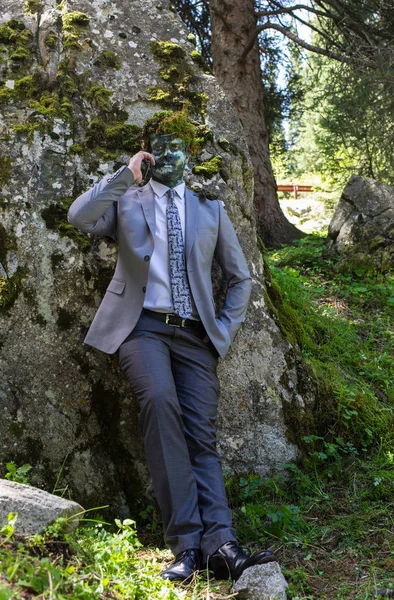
<point x="95" y="210"/>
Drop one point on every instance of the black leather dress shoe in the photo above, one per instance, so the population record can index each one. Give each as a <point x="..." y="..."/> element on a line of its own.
<point x="230" y="561"/>
<point x="184" y="565"/>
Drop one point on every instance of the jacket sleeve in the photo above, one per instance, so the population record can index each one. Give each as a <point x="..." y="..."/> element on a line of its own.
<point x="236" y="273"/>
<point x="95" y="210"/>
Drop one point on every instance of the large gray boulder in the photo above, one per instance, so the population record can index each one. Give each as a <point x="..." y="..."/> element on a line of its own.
<point x="77" y="81"/>
<point x="35" y="509"/>
<point x="362" y="228"/>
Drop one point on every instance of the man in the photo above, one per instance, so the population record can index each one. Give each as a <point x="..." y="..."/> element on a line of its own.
<point x="158" y="314"/>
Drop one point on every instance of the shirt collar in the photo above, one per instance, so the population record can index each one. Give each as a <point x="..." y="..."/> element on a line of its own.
<point x="160" y="189"/>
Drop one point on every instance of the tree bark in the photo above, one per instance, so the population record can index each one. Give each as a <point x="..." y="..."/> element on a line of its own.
<point x="233" y="22"/>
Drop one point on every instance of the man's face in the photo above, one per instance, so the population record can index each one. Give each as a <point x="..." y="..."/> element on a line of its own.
<point x="169" y="152"/>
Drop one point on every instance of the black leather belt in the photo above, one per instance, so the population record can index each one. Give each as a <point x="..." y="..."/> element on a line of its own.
<point x="171" y="319"/>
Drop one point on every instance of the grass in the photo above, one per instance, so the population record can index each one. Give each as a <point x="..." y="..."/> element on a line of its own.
<point x="330" y="520"/>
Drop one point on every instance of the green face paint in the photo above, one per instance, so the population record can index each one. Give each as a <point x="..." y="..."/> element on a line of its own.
<point x="170" y="156"/>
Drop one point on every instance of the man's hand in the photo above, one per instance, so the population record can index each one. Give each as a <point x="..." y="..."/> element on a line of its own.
<point x="135" y="164"/>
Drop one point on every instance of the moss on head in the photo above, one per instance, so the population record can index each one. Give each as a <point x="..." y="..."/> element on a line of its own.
<point x="167" y="122"/>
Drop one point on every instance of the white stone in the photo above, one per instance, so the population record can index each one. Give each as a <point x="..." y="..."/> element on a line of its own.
<point x="35" y="508"/>
<point x="10" y="83"/>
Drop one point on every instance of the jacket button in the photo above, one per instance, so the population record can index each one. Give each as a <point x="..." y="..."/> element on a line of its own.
<point x="147" y="257"/>
<point x="144" y="289"/>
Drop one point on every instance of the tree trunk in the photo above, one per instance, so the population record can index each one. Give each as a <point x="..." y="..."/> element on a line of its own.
<point x="233" y="23"/>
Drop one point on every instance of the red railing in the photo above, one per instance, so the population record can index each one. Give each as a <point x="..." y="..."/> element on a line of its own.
<point x="295" y="188"/>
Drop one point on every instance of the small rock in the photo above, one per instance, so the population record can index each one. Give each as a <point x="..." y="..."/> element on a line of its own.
<point x="261" y="582"/>
<point x="36" y="509"/>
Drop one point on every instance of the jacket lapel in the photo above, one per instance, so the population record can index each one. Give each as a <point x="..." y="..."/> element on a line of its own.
<point x="147" y="199"/>
<point x="191" y="209"/>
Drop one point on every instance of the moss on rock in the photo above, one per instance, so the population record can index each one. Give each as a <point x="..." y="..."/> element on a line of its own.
<point x="51" y="39"/>
<point x="166" y="50"/>
<point x="179" y="77"/>
<point x="17" y="39"/>
<point x="74" y="24"/>
<point x="110" y="137"/>
<point x="55" y="217"/>
<point x="198" y="59"/>
<point x="210" y="167"/>
<point x="108" y="60"/>
<point x="5" y="169"/>
<point x="32" y="6"/>
<point x="100" y="96"/>
<point x="10" y="288"/>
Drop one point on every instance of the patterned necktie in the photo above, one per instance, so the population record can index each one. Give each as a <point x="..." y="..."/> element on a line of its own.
<point x="181" y="296"/>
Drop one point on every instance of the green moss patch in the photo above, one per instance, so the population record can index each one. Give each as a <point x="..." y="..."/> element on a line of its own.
<point x="100" y="96"/>
<point x="5" y="169"/>
<point x="210" y="167"/>
<point x="32" y="6"/>
<point x="117" y="136"/>
<point x="17" y="39"/>
<point x="51" y="39"/>
<point x="55" y="217"/>
<point x="179" y="79"/>
<point x="198" y="59"/>
<point x="164" y="51"/>
<point x="108" y="60"/>
<point x="74" y="25"/>
<point x="10" y="288"/>
<point x="192" y="39"/>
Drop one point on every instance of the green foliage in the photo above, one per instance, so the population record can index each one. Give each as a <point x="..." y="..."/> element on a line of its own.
<point x="341" y="122"/>
<point x="18" y="474"/>
<point x="8" y="530"/>
<point x="342" y="324"/>
<point x="89" y="564"/>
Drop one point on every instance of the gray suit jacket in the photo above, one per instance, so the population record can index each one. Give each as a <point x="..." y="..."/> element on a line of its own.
<point x="127" y="214"/>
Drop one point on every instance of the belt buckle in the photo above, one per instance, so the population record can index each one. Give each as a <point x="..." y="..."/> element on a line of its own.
<point x="168" y="317"/>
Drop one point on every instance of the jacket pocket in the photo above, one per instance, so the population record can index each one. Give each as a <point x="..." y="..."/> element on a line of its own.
<point x="116" y="286"/>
